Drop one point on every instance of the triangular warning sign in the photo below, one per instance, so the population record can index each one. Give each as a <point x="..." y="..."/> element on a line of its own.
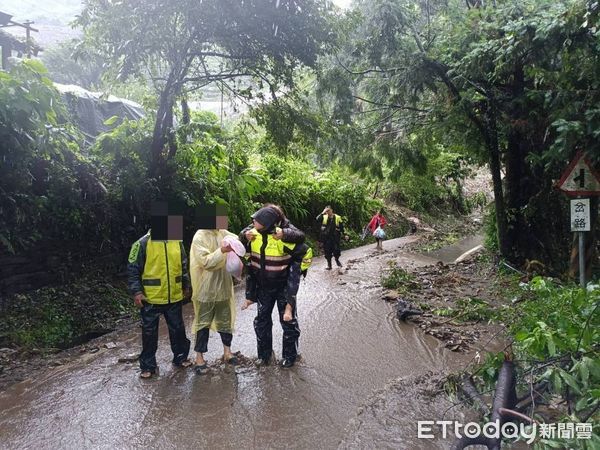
<point x="580" y="178"/>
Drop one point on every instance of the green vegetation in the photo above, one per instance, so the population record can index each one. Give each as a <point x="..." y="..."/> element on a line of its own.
<point x="418" y="90"/>
<point x="390" y="103"/>
<point x="43" y="170"/>
<point x="469" y="309"/>
<point x="251" y="49"/>
<point x="59" y="317"/>
<point x="555" y="331"/>
<point x="398" y="279"/>
<point x="91" y="196"/>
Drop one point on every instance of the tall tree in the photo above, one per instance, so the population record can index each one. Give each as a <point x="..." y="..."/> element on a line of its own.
<point x="251" y="48"/>
<point x="492" y="77"/>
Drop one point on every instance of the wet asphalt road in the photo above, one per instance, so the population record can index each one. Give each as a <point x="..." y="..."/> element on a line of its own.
<point x="352" y="346"/>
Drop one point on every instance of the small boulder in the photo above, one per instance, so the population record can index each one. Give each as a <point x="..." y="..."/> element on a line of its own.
<point x="131" y="358"/>
<point x="414" y="223"/>
<point x="405" y="309"/>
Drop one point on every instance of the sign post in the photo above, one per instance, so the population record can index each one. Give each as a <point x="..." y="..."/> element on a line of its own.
<point x="580" y="179"/>
<point x="582" y="259"/>
<point x="580" y="223"/>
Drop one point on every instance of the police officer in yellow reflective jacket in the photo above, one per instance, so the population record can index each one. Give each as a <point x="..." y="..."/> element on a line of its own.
<point x="273" y="278"/>
<point x="158" y="280"/>
<point x="332" y="229"/>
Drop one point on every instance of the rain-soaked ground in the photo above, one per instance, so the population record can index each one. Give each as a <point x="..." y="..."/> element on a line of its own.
<point x="363" y="381"/>
<point x="449" y="253"/>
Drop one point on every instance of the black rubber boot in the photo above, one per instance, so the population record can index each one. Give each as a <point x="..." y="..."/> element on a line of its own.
<point x="328" y="264"/>
<point x="288" y="362"/>
<point x="337" y="261"/>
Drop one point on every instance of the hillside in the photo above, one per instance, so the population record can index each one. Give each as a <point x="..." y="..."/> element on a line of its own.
<point x="49" y="12"/>
<point x="52" y="18"/>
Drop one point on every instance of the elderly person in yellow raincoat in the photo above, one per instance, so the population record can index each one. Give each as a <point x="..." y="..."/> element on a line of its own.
<point x="213" y="299"/>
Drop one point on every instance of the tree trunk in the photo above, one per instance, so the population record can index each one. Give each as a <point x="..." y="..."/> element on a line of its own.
<point x="158" y="138"/>
<point x="518" y="181"/>
<point x="185" y="111"/>
<point x="162" y="135"/>
<point x="169" y="133"/>
<point x="595" y="230"/>
<point x="491" y="142"/>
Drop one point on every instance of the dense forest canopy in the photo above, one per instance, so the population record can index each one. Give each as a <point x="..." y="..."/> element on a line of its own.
<point x="378" y="105"/>
<point x="408" y="94"/>
<point x="509" y="84"/>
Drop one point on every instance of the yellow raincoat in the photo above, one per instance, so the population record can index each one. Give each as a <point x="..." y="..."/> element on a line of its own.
<point x="212" y="286"/>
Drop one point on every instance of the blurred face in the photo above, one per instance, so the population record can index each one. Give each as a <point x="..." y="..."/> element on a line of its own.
<point x="257" y="225"/>
<point x="330" y="212"/>
<point x="221" y="222"/>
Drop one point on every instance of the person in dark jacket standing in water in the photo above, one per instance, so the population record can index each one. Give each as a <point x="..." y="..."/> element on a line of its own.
<point x="273" y="278"/>
<point x="332" y="229"/>
<point x="158" y="280"/>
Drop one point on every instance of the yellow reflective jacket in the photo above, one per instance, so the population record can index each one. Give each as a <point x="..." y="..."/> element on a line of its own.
<point x="276" y="253"/>
<point x="273" y="263"/>
<point x="158" y="269"/>
<point x="338" y="220"/>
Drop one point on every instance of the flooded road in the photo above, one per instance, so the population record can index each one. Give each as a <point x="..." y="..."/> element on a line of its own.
<point x="449" y="253"/>
<point x="353" y="352"/>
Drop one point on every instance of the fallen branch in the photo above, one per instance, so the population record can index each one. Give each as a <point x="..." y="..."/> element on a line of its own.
<point x="536" y="392"/>
<point x="473" y="395"/>
<point x="504" y="400"/>
<point x="505" y="412"/>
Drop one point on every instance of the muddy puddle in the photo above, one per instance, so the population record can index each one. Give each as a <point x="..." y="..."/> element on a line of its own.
<point x="347" y="391"/>
<point x="449" y="254"/>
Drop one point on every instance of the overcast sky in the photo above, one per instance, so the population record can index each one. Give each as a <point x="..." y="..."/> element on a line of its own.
<point x="342" y="3"/>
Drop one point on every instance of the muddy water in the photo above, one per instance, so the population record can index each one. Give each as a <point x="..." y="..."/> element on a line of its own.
<point x="450" y="253"/>
<point x="352" y="348"/>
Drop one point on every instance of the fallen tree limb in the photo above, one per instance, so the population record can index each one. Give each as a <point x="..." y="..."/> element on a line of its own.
<point x="527" y="400"/>
<point x="505" y="397"/>
<point x="505" y="412"/>
<point x="472" y="394"/>
<point x="504" y="400"/>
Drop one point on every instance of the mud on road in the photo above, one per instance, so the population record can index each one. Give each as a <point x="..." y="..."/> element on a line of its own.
<point x="354" y="354"/>
<point x="458" y="302"/>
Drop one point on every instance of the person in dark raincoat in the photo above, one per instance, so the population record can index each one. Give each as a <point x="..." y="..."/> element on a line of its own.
<point x="332" y="229"/>
<point x="273" y="279"/>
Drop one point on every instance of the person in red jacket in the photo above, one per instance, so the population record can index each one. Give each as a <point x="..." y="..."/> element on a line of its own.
<point x="376" y="227"/>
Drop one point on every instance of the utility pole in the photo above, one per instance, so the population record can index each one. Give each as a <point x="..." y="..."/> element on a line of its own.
<point x="28" y="29"/>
